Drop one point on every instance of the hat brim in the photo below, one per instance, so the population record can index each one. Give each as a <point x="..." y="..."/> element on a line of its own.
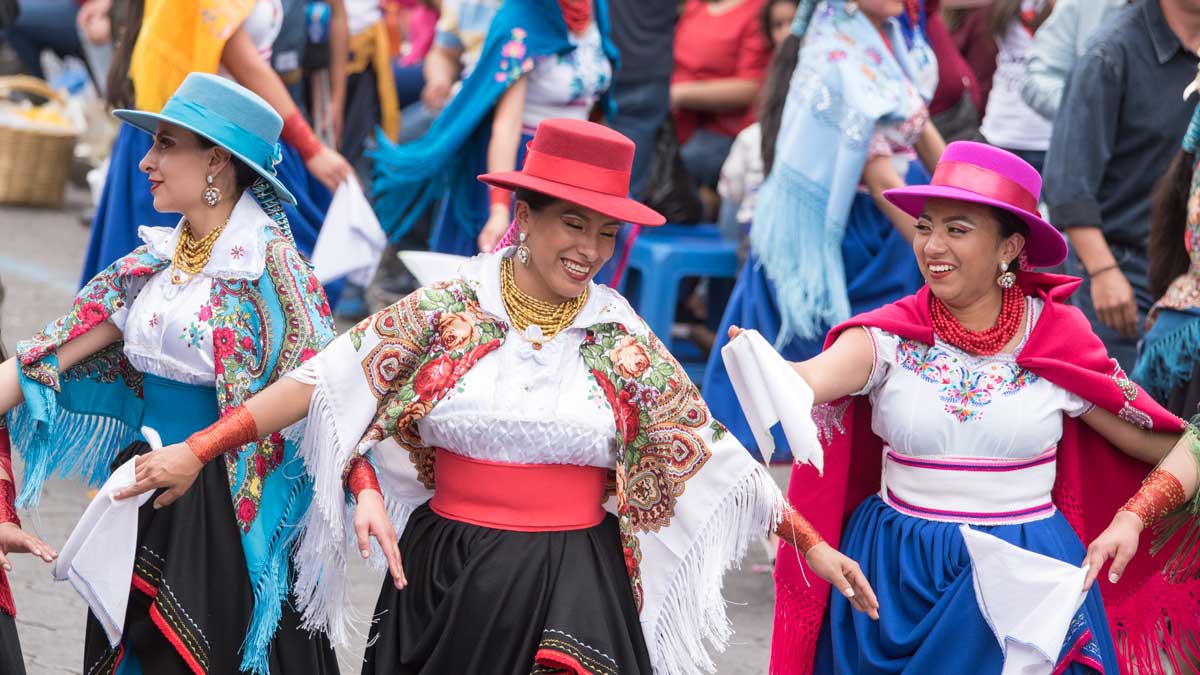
<point x="1044" y="247"/>
<point x="620" y="208"/>
<point x="148" y="122"/>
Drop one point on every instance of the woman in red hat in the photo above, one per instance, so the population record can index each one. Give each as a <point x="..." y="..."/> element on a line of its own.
<point x="566" y="502"/>
<point x="971" y="423"/>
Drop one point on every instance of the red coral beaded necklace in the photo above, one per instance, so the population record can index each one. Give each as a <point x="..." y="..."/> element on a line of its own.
<point x="982" y="342"/>
<point x="577" y="14"/>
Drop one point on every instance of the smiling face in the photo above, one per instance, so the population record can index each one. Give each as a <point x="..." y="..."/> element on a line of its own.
<point x="959" y="248"/>
<point x="568" y="244"/>
<point x="177" y="166"/>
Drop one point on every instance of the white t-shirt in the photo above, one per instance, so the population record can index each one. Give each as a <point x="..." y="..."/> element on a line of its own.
<point x="1008" y="122"/>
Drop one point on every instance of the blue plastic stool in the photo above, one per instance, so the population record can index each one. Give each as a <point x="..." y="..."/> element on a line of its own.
<point x="663" y="257"/>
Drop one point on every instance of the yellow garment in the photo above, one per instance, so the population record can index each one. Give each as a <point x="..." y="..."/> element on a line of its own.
<point x="179" y="37"/>
<point x="370" y="47"/>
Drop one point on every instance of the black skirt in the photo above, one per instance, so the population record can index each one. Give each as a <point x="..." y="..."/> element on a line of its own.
<point x="191" y="600"/>
<point x="11" y="661"/>
<point x="498" y="602"/>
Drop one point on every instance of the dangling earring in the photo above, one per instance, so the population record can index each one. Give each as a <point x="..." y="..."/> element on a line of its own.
<point x="523" y="250"/>
<point x="1007" y="279"/>
<point x="211" y="194"/>
<point x="851" y="7"/>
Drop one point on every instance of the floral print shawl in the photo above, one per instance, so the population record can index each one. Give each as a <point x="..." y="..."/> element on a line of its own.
<point x="74" y="423"/>
<point x="688" y="497"/>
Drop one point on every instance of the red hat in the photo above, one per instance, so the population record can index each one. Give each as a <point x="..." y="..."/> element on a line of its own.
<point x="583" y="163"/>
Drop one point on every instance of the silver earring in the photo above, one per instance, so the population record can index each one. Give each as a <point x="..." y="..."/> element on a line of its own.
<point x="851" y="7"/>
<point x="523" y="250"/>
<point x="211" y="194"/>
<point x="1007" y="279"/>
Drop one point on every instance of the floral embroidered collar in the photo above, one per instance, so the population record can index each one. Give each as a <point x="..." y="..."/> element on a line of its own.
<point x="240" y="251"/>
<point x="604" y="305"/>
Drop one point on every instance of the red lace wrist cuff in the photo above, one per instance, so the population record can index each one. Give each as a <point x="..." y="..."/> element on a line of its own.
<point x="227" y="434"/>
<point x="797" y="531"/>
<point x="362" y="476"/>
<point x="1160" y="494"/>
<point x="8" y="501"/>
<point x="498" y="195"/>
<point x="300" y="136"/>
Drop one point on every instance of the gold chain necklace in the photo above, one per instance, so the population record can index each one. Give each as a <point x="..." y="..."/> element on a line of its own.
<point x="525" y="310"/>
<point x="191" y="255"/>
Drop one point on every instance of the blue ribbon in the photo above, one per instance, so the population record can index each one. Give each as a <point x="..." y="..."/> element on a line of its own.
<point x="225" y="132"/>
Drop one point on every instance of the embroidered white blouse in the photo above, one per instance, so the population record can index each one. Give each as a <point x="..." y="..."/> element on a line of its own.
<point x="166" y="325"/>
<point x="528" y="406"/>
<point x="940" y="401"/>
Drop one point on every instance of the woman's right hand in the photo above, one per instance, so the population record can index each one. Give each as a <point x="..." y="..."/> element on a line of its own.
<point x="371" y="520"/>
<point x="735" y="331"/>
<point x="845" y="575"/>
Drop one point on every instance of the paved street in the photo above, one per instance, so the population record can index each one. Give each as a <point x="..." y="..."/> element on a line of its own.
<point x="39" y="263"/>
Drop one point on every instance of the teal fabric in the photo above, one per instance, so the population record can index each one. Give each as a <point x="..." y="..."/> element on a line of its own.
<point x="177" y="410"/>
<point x="1169" y="352"/>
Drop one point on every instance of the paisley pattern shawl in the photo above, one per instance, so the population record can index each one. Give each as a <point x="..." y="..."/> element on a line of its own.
<point x="675" y="464"/>
<point x="74" y="423"/>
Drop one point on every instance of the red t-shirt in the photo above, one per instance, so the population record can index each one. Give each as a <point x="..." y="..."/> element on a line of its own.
<point x="711" y="47"/>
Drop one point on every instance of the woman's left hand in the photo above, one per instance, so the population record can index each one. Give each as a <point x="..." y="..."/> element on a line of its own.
<point x="173" y="467"/>
<point x="1119" y="542"/>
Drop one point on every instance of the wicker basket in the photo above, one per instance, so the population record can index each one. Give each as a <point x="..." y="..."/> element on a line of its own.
<point x="34" y="163"/>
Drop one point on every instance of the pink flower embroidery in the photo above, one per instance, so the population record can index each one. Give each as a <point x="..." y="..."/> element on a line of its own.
<point x="154" y="319"/>
<point x="836" y="55"/>
<point x="205" y="313"/>
<point x="237" y="252"/>
<point x="513" y="50"/>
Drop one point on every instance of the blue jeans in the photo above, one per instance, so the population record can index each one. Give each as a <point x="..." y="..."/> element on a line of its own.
<point x="1132" y="264"/>
<point x="703" y="156"/>
<point x="45" y="24"/>
<point x="641" y="110"/>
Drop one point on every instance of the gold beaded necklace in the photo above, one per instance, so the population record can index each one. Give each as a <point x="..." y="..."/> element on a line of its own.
<point x="525" y="310"/>
<point x="191" y="255"/>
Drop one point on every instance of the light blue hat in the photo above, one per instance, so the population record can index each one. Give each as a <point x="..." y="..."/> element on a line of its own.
<point x="208" y="105"/>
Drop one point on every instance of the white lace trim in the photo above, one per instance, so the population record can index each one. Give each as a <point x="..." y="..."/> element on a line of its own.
<point x="240" y="251"/>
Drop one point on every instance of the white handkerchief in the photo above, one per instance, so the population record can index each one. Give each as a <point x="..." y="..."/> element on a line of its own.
<point x="1027" y="598"/>
<point x="98" y="556"/>
<point x="430" y="267"/>
<point x="771" y="392"/>
<point x="351" y="241"/>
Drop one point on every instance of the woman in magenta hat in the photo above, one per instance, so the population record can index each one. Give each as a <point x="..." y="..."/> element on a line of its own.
<point x="566" y="502"/>
<point x="976" y="433"/>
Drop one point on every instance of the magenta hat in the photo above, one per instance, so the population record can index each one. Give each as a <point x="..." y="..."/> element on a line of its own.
<point x="982" y="174"/>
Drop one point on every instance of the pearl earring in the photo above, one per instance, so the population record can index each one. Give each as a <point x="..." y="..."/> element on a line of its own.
<point x="211" y="194"/>
<point x="1007" y="279"/>
<point x="523" y="250"/>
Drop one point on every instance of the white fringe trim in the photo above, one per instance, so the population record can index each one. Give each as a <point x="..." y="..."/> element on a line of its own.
<point x="321" y="586"/>
<point x="693" y="611"/>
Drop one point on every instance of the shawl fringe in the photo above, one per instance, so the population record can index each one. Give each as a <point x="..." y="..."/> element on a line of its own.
<point x="1148" y="635"/>
<point x="693" y="610"/>
<point x="67" y="444"/>
<point x="1167" y="362"/>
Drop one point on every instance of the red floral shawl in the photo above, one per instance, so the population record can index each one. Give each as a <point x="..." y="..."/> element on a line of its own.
<point x="1094" y="481"/>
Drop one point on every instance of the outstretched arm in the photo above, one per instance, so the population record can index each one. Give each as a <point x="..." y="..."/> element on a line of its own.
<point x="68" y="355"/>
<point x="1148" y="446"/>
<point x="1169" y="487"/>
<point x="839" y="371"/>
<point x="175" y="467"/>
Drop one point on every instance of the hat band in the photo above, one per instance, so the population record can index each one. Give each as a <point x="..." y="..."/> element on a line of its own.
<point x="221" y="130"/>
<point x="984" y="182"/>
<point x="560" y="169"/>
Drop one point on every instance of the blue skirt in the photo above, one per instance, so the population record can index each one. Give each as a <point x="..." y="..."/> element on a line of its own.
<point x="929" y="620"/>
<point x="126" y="203"/>
<point x="880" y="268"/>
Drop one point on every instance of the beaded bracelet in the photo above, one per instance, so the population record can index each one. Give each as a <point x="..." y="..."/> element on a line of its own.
<point x="226" y="434"/>
<point x="1160" y="494"/>
<point x="797" y="531"/>
<point x="361" y="476"/>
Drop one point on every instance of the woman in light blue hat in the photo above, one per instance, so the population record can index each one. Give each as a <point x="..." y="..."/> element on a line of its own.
<point x="171" y="337"/>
